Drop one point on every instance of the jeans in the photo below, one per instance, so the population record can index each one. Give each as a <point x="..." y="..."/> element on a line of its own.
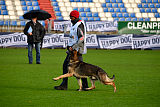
<point x="30" y="48"/>
<point x="65" y="70"/>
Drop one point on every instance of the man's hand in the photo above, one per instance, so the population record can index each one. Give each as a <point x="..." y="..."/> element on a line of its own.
<point x="70" y="48"/>
<point x="30" y="33"/>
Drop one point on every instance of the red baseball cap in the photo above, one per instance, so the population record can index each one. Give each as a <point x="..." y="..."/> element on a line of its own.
<point x="74" y="13"/>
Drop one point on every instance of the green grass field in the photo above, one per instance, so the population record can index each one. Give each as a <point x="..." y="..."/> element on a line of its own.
<point x="137" y="77"/>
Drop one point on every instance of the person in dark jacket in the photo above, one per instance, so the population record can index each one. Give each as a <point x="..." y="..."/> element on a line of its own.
<point x="35" y="33"/>
<point x="76" y="42"/>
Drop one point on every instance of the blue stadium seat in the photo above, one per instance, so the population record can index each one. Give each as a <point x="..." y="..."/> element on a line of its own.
<point x="155" y="1"/>
<point x="22" y="23"/>
<point x="7" y="23"/>
<point x="81" y="9"/>
<point x="54" y="3"/>
<point x="140" y="19"/>
<point x="91" y="19"/>
<point x="87" y="9"/>
<point x="30" y="8"/>
<point x="25" y="12"/>
<point x="121" y="5"/>
<point x="75" y="8"/>
<point x="82" y="14"/>
<point x="56" y="8"/>
<point x="117" y="10"/>
<point x="109" y="5"/>
<point x="36" y="8"/>
<point x="134" y="19"/>
<point x="77" y="0"/>
<point x="120" y="15"/>
<point x="29" y="3"/>
<point x="58" y="14"/>
<point x="142" y="10"/>
<point x="14" y="23"/>
<point x="119" y="1"/>
<point x="90" y="1"/>
<point x="23" y="3"/>
<point x="151" y="5"/>
<point x="89" y="14"/>
<point x="35" y="4"/>
<point x="71" y="0"/>
<point x="157" y="15"/>
<point x="103" y="5"/>
<point x="85" y="18"/>
<point x="132" y="15"/>
<point x="95" y="14"/>
<point x="34" y="0"/>
<point x="122" y="19"/>
<point x="126" y="14"/>
<point x="157" y="5"/>
<point x="111" y="10"/>
<point x="105" y="9"/>
<point x="1" y="22"/>
<point x="107" y="1"/>
<point x="113" y="1"/>
<point x="21" y="17"/>
<point x="149" y="1"/>
<point x="145" y="5"/>
<point x="60" y="18"/>
<point x="124" y="10"/>
<point x="3" y="7"/>
<point x="154" y="10"/>
<point x="115" y="5"/>
<point x="2" y="2"/>
<point x="139" y="5"/>
<point x="114" y="15"/>
<point x="143" y="1"/>
<point x="24" y="8"/>
<point x="84" y="0"/>
<point x="4" y="12"/>
<point x="116" y="19"/>
<point x="147" y="19"/>
<point x="97" y="19"/>
<point x="148" y="10"/>
<point x="128" y="19"/>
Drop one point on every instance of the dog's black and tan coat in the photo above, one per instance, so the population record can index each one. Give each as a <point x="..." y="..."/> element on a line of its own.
<point x="80" y="69"/>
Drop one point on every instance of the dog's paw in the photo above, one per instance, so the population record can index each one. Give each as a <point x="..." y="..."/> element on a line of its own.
<point x="114" y="90"/>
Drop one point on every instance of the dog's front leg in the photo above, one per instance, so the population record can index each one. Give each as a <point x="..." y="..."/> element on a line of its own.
<point x="63" y="76"/>
<point x="80" y="84"/>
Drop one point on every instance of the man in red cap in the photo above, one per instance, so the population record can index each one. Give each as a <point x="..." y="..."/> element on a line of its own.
<point x="76" y="42"/>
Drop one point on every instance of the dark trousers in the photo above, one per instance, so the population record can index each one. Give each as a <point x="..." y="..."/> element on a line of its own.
<point x="30" y="48"/>
<point x="65" y="70"/>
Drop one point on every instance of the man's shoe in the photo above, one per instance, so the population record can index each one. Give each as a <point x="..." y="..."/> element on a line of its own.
<point x="60" y="88"/>
<point x="38" y="63"/>
<point x="30" y="62"/>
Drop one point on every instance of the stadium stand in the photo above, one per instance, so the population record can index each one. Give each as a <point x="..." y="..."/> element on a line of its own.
<point x="90" y="10"/>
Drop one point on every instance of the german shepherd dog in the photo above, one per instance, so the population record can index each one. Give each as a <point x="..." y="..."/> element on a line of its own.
<point x="80" y="69"/>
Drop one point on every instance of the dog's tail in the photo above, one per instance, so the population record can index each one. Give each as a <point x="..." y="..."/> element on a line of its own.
<point x="110" y="79"/>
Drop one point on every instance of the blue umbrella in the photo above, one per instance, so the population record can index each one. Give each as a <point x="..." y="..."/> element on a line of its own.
<point x="40" y="14"/>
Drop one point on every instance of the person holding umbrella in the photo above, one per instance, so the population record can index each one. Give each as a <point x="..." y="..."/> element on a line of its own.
<point x="35" y="32"/>
<point x="76" y="42"/>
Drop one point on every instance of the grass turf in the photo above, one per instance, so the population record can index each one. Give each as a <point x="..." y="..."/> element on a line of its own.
<point x="137" y="79"/>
